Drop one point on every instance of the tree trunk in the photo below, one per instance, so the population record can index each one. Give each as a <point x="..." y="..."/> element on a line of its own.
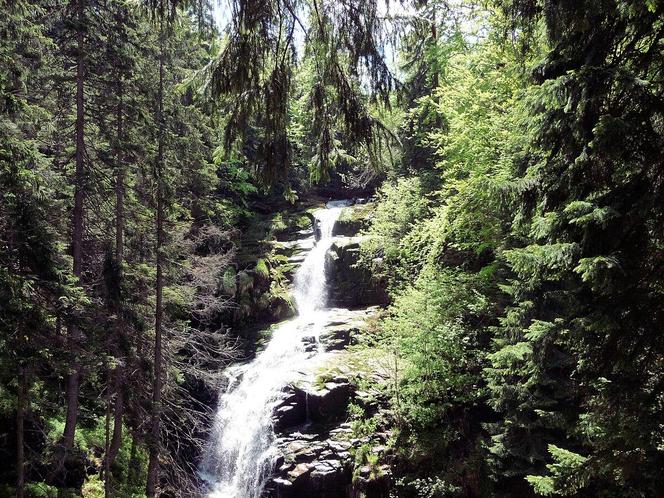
<point x="153" y="465"/>
<point x="119" y="181"/>
<point x="134" y="470"/>
<point x="73" y="385"/>
<point x="73" y="380"/>
<point x="118" y="408"/>
<point x="107" y="437"/>
<point x="21" y="408"/>
<point x="118" y="412"/>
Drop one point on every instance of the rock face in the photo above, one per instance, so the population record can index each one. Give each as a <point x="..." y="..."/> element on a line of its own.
<point x="313" y="405"/>
<point x="315" y="464"/>
<point x="271" y="249"/>
<point x="343" y="326"/>
<point x="316" y="444"/>
<point x="319" y="453"/>
<point x="323" y="402"/>
<point x="350" y="284"/>
<point x="318" y="462"/>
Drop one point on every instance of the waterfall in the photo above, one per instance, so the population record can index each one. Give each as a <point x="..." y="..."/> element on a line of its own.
<point x="241" y="450"/>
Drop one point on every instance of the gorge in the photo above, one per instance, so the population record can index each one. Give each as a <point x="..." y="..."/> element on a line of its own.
<point x="270" y="401"/>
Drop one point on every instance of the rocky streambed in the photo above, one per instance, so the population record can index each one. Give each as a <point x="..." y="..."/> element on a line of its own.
<point x="320" y="453"/>
<point x="287" y="423"/>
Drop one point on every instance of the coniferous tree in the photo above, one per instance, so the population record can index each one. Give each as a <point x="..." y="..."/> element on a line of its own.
<point x="576" y="374"/>
<point x="33" y="284"/>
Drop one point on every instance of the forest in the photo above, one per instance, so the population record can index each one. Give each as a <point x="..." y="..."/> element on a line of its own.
<point x="332" y="248"/>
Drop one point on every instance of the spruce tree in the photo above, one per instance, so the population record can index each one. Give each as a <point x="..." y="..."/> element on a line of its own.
<point x="576" y="374"/>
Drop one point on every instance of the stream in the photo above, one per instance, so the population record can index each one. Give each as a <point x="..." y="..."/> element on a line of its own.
<point x="241" y="450"/>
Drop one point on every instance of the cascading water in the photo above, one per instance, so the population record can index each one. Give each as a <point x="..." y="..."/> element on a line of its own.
<point x="241" y="450"/>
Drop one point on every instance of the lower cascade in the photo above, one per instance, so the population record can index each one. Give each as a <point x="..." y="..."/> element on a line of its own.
<point x="241" y="451"/>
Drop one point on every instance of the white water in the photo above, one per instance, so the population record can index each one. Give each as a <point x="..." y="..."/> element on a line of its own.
<point x="241" y="450"/>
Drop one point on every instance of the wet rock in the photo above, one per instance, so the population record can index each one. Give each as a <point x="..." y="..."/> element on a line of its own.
<point x="315" y="404"/>
<point x="339" y="330"/>
<point x="337" y="337"/>
<point x="322" y="479"/>
<point x="319" y="463"/>
<point x="326" y="404"/>
<point x="279" y="308"/>
<point x="315" y="441"/>
<point x="300" y="470"/>
<point x="289" y="415"/>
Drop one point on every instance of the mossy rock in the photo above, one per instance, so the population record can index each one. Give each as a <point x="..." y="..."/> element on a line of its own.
<point x="262" y="268"/>
<point x="228" y="284"/>
<point x="351" y="284"/>
<point x="293" y="224"/>
<point x="245" y="283"/>
<point x="353" y="219"/>
<point x="281" y="308"/>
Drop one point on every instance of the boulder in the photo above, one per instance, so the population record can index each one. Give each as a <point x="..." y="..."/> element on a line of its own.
<point x="353" y="219"/>
<point x="309" y="404"/>
<point x="343" y="326"/>
<point x="351" y="285"/>
<point x="317" y="458"/>
<point x="289" y="415"/>
<point x="337" y="337"/>
<point x="319" y="463"/>
<point x="310" y="469"/>
<point x="329" y="403"/>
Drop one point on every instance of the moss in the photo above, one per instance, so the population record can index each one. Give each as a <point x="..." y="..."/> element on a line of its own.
<point x="245" y="283"/>
<point x="228" y="284"/>
<point x="279" y="293"/>
<point x="278" y="222"/>
<point x="36" y="490"/>
<point x="289" y="223"/>
<point x="264" y="335"/>
<point x="354" y="219"/>
<point x="357" y="212"/>
<point x="304" y="222"/>
<point x="262" y="268"/>
<point x="93" y="487"/>
<point x="323" y="377"/>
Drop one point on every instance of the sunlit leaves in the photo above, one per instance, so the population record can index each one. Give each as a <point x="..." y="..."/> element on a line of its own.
<point x="566" y="476"/>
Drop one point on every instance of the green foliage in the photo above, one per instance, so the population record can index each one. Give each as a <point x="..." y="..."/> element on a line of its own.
<point x="365" y="458"/>
<point x="398" y="206"/>
<point x="41" y="490"/>
<point x="262" y="269"/>
<point x="432" y="326"/>
<point x="519" y="230"/>
<point x="581" y="195"/>
<point x="428" y="487"/>
<point x="566" y="474"/>
<point x="267" y="97"/>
